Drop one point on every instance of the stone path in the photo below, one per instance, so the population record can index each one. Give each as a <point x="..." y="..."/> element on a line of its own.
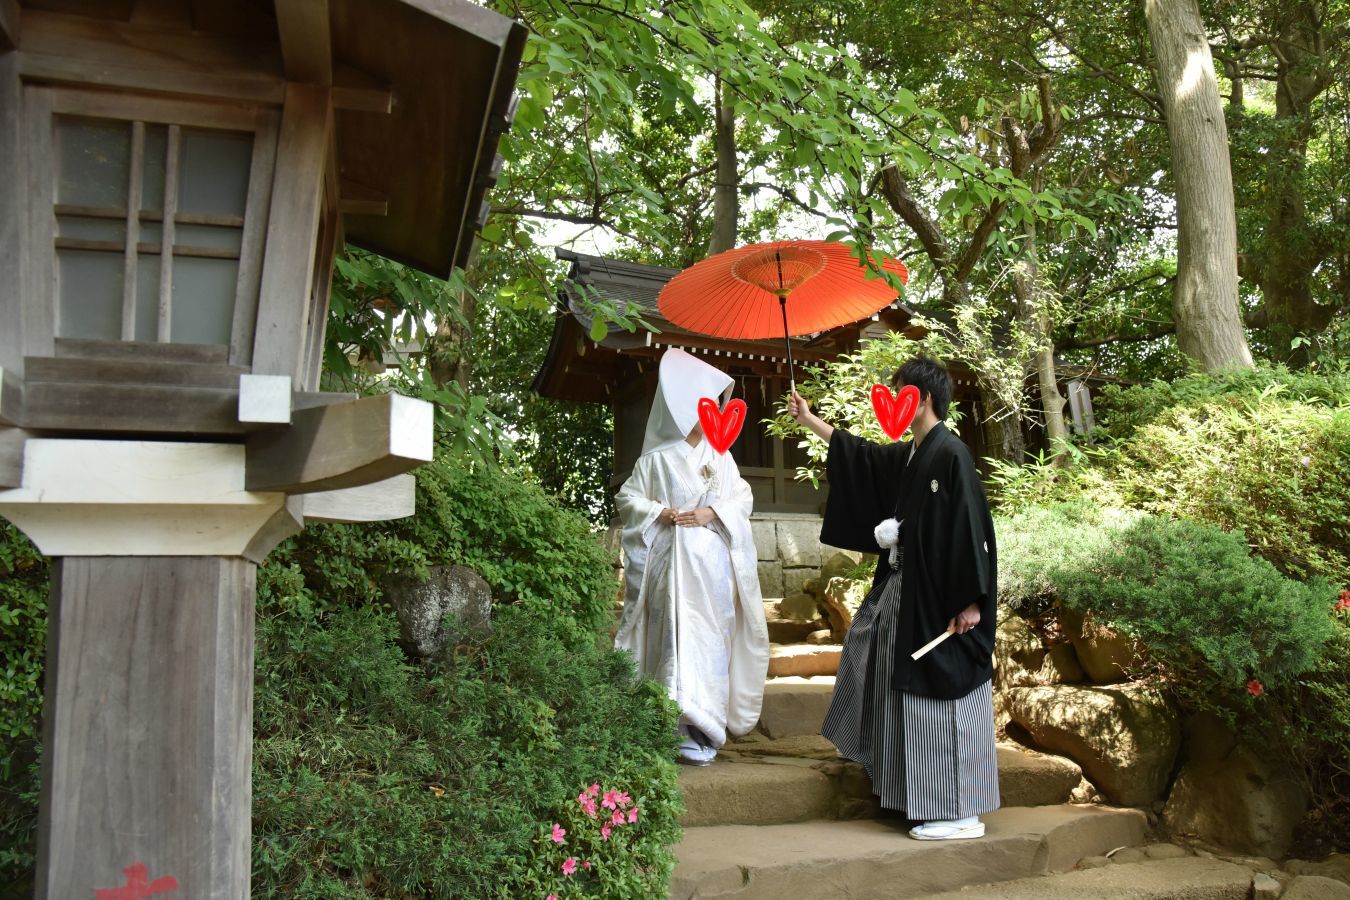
<point x="779" y="816"/>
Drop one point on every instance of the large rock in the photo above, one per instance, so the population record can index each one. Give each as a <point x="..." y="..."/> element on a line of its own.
<point x="1126" y="738"/>
<point x="799" y="543"/>
<point x="1316" y="887"/>
<point x="1018" y="652"/>
<point x="840" y="600"/>
<point x="1061" y="666"/>
<point x="453" y="604"/>
<point x="837" y="566"/>
<point x="1337" y="866"/>
<point x="1232" y="795"/>
<point x="1106" y="657"/>
<point x="795" y="706"/>
<point x="798" y="608"/>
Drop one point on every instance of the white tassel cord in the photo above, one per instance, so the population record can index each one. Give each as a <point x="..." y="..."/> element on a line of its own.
<point x="887" y="534"/>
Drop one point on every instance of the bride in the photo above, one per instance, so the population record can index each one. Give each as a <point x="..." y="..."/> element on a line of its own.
<point x="693" y="616"/>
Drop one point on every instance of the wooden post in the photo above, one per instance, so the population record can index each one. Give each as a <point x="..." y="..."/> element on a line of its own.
<point x="149" y="726"/>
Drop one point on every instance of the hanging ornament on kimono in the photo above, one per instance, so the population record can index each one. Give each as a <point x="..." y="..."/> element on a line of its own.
<point x="895" y="411"/>
<point x="721" y="426"/>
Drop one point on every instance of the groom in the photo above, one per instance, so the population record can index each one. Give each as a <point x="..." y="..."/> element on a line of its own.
<point x="923" y="729"/>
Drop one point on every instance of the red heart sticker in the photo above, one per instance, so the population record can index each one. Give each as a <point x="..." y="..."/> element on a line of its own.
<point x="721" y="426"/>
<point x="895" y="411"/>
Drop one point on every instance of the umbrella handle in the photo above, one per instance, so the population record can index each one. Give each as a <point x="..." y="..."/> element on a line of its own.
<point x="787" y="342"/>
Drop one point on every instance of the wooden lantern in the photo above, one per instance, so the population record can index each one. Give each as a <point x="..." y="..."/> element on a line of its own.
<point x="175" y="179"/>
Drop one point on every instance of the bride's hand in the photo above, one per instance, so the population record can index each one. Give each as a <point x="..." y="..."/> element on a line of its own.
<point x="695" y="518"/>
<point x="668" y="516"/>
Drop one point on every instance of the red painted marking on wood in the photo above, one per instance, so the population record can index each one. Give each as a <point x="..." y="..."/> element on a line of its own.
<point x="138" y="885"/>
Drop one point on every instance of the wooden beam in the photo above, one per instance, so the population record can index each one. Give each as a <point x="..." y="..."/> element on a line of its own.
<point x="77" y="50"/>
<point x="306" y="40"/>
<point x="341" y="446"/>
<point x="292" y="232"/>
<point x="141" y="351"/>
<point x="393" y="498"/>
<point x="11" y="398"/>
<point x="357" y="91"/>
<point x="131" y="408"/>
<point x="359" y="200"/>
<point x="11" y="456"/>
<point x="131" y="371"/>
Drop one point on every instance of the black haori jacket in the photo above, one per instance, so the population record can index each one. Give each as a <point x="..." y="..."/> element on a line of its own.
<point x="950" y="558"/>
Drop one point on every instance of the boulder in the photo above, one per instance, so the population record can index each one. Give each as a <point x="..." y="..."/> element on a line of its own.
<point x="798" y="608"/>
<point x="1106" y="657"/>
<point x="1265" y="888"/>
<point x="1018" y="653"/>
<point x="1232" y="795"/>
<point x="1337" y="866"/>
<point x="803" y="660"/>
<point x="840" y="600"/>
<point x="1061" y="666"/>
<point x="837" y="566"/>
<point x="453" y="604"/>
<point x="823" y="636"/>
<point x="1316" y="887"/>
<point x="1126" y="738"/>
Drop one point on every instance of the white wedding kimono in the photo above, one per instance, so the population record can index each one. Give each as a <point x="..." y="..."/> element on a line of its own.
<point x="693" y="615"/>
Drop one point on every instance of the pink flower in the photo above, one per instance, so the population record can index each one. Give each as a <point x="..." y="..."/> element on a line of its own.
<point x="611" y="800"/>
<point x="632" y="815"/>
<point x="558" y="833"/>
<point x="592" y="790"/>
<point x="586" y="864"/>
<point x="589" y="806"/>
<point x="606" y="831"/>
<point x="1255" y="688"/>
<point x="551" y="897"/>
<point x="617" y="817"/>
<point x="1306" y="461"/>
<point x="1343" y="602"/>
<point x="569" y="865"/>
<point x="624" y="800"/>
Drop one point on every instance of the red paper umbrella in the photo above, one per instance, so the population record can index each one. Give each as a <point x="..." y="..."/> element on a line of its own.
<point x="785" y="287"/>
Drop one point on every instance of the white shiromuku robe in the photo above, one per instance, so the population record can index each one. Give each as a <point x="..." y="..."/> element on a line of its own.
<point x="693" y="615"/>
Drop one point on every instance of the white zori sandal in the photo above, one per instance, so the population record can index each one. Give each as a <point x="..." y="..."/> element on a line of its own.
<point x="951" y="830"/>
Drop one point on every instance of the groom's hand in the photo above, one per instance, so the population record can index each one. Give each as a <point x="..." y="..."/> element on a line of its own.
<point x="967" y="619"/>
<point x="797" y="408"/>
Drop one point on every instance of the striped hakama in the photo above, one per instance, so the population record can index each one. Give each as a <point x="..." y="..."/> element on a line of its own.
<point x="930" y="759"/>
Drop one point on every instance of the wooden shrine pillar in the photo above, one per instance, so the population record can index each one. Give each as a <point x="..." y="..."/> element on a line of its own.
<point x="148" y="742"/>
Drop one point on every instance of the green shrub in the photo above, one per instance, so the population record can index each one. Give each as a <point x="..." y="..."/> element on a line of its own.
<point x="1210" y="615"/>
<point x="23" y="634"/>
<point x="527" y="548"/>
<point x="1262" y="452"/>
<point x="373" y="778"/>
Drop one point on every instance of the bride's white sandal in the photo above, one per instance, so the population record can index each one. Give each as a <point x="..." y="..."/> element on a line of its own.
<point x="954" y="830"/>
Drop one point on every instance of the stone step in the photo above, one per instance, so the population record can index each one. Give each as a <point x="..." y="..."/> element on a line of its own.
<point x="876" y="859"/>
<point x="803" y="660"/>
<point x="757" y="780"/>
<point x="794" y="705"/>
<point x="1188" y="878"/>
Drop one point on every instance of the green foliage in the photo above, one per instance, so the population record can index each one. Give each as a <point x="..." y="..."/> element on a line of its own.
<point x="373" y="778"/>
<point x="23" y="630"/>
<point x="1211" y="616"/>
<point x="1264" y="452"/>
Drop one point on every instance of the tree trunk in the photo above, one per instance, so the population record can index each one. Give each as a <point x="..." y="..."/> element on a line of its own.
<point x="1003" y="436"/>
<point x="726" y="196"/>
<point x="1034" y="311"/>
<point x="1291" y="253"/>
<point x="1205" y="302"/>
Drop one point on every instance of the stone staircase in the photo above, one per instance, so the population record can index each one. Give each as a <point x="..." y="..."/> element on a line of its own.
<point x="778" y="814"/>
